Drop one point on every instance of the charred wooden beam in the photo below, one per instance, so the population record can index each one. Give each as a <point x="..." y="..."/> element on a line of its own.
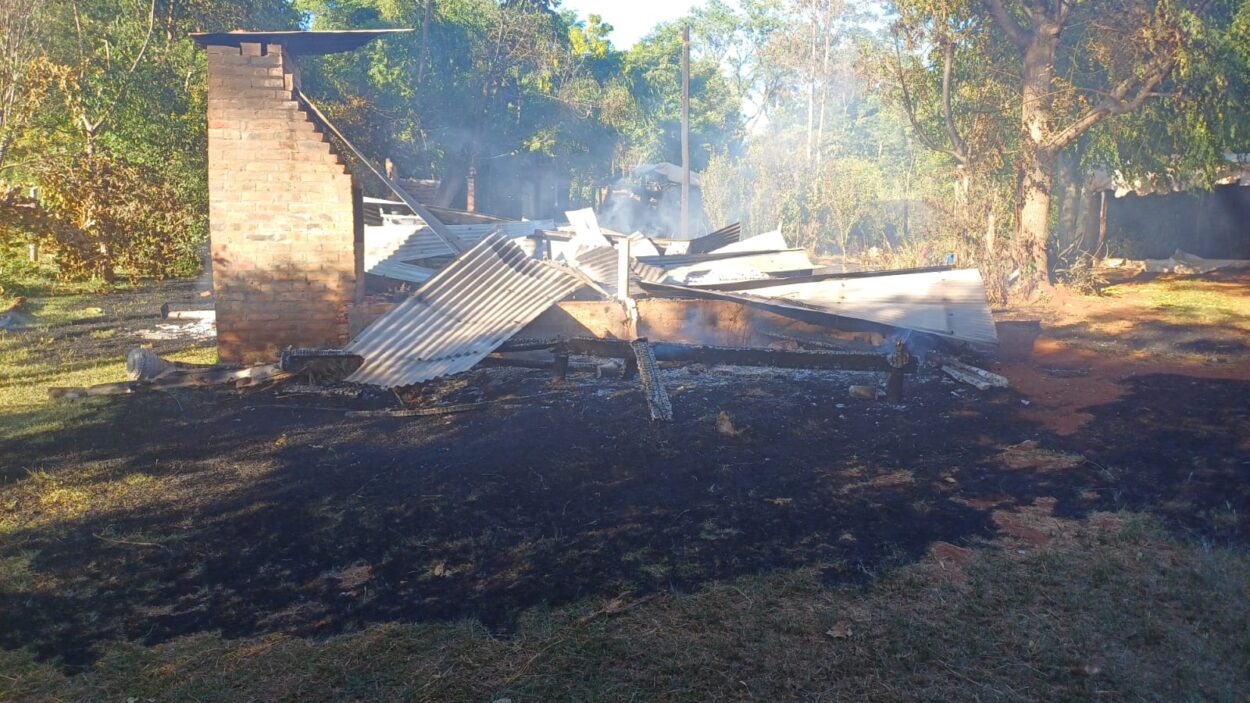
<point x="779" y="358"/>
<point x="658" y="403"/>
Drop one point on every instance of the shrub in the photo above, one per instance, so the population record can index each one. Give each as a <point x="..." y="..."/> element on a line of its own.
<point x="111" y="216"/>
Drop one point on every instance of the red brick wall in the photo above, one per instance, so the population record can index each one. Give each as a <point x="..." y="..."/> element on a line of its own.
<point x="286" y="255"/>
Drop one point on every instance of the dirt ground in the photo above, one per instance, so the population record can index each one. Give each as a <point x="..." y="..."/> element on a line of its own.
<point x="265" y="511"/>
<point x="1072" y="353"/>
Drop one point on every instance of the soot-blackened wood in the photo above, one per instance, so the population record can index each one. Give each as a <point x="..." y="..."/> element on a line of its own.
<point x="560" y="369"/>
<point x="779" y="358"/>
<point x="658" y="403"/>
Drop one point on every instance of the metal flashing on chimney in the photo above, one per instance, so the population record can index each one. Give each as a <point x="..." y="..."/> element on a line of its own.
<point x="310" y="43"/>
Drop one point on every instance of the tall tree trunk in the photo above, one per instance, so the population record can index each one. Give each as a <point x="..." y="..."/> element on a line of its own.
<point x="425" y="44"/>
<point x="824" y="98"/>
<point x="1035" y="164"/>
<point x="1036" y="171"/>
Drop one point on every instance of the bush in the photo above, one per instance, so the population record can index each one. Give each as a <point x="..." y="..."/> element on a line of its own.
<point x="105" y="215"/>
<point x="1080" y="274"/>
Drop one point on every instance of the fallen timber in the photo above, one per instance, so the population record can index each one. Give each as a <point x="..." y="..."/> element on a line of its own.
<point x="658" y="402"/>
<point x="177" y="378"/>
<point x="711" y="355"/>
<point x="896" y="364"/>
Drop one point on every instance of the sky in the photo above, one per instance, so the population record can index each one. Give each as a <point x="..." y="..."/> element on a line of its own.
<point x="630" y="19"/>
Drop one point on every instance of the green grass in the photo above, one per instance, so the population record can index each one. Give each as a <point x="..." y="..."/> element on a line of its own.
<point x="21" y="277"/>
<point x="1188" y="301"/>
<point x="29" y="365"/>
<point x="1123" y="614"/>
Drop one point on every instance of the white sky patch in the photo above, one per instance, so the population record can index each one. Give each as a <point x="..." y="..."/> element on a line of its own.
<point x="631" y="20"/>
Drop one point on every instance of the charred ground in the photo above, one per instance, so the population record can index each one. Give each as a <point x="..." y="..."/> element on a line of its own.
<point x="259" y="512"/>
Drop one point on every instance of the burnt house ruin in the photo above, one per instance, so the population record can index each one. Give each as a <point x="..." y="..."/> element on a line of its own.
<point x="302" y="260"/>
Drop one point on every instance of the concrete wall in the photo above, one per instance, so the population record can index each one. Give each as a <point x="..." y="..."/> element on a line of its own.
<point x="286" y="238"/>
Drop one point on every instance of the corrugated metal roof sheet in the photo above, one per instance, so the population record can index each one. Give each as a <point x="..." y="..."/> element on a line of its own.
<point x="671" y="261"/>
<point x="820" y="274"/>
<point x="641" y="245"/>
<point x="399" y="271"/>
<point x="769" y="241"/>
<point x="730" y="266"/>
<point x="587" y="235"/>
<point x="715" y="240"/>
<point x="600" y="264"/>
<point x="460" y="315"/>
<point x="948" y="303"/>
<point x="399" y="244"/>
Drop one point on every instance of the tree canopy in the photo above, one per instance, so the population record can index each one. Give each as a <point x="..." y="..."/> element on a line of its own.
<point x="915" y="130"/>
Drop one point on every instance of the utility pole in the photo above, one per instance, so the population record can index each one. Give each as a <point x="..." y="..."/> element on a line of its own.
<point x="685" y="132"/>
<point x="425" y="44"/>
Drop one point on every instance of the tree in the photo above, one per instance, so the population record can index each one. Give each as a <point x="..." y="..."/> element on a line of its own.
<point x="20" y="89"/>
<point x="1078" y="63"/>
<point x="652" y="68"/>
<point x="1127" y="48"/>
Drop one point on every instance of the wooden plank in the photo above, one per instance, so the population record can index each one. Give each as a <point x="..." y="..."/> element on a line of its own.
<point x="776" y="358"/>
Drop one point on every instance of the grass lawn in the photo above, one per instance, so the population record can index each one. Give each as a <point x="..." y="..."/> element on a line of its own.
<point x="1064" y="604"/>
<point x="73" y="335"/>
<point x="1185" y="300"/>
<point x="1112" y="613"/>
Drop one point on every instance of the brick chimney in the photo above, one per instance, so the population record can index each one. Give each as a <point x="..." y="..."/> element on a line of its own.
<point x="284" y="214"/>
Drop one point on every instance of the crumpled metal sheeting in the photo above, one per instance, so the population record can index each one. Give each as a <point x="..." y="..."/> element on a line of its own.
<point x="720" y="238"/>
<point x="947" y="303"/>
<point x="459" y="316"/>
<point x="411" y="242"/>
<point x="600" y="265"/>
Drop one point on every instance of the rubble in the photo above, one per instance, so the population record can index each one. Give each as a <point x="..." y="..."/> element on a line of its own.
<point x="588" y="295"/>
<point x="167" y="376"/>
<point x="1181" y="262"/>
<point x="973" y="376"/>
<point x="486" y="286"/>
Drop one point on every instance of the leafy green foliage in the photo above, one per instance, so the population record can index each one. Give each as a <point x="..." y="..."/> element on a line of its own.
<point x="118" y="214"/>
<point x="806" y="114"/>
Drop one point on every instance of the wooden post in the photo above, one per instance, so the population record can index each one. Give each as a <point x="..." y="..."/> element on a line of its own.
<point x="560" y="369"/>
<point x="622" y="269"/>
<point x="685" y="132"/>
<point x="894" y="386"/>
<point x="1102" y="227"/>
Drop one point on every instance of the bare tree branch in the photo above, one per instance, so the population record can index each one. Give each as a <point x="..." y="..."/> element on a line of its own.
<point x="1117" y="102"/>
<point x="125" y="84"/>
<point x="910" y="108"/>
<point x="1017" y="34"/>
<point x="957" y="143"/>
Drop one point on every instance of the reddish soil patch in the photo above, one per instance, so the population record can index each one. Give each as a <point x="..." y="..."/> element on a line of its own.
<point x="1075" y="352"/>
<point x="1061" y="402"/>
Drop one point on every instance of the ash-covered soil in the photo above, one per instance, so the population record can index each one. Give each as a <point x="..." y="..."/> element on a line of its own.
<point x="260" y="511"/>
